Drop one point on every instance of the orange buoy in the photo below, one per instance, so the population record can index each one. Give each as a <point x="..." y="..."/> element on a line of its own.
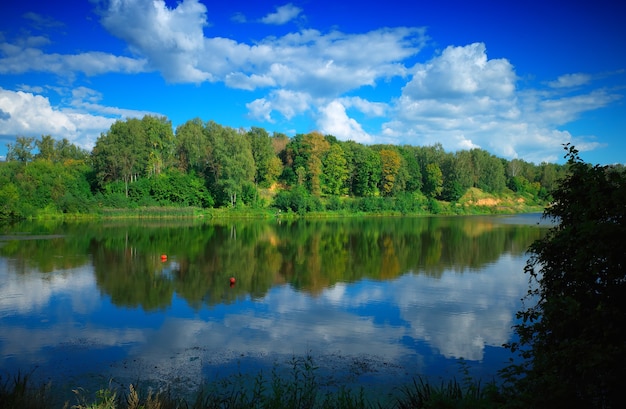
<point x="163" y="257"/>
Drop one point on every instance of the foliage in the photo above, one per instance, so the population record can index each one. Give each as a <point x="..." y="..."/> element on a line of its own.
<point x="433" y="182"/>
<point x="335" y="172"/>
<point x="297" y="200"/>
<point x="21" y="151"/>
<point x="143" y="163"/>
<point x="572" y="336"/>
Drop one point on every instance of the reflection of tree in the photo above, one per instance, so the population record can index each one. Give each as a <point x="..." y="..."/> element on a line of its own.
<point x="45" y="248"/>
<point x="308" y="255"/>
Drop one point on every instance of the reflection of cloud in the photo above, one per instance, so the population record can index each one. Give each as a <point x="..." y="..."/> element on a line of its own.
<point x="461" y="313"/>
<point x="22" y="294"/>
<point x="457" y="315"/>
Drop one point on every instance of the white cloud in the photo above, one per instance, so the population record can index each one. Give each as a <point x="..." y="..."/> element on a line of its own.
<point x="80" y="122"/>
<point x="462" y="71"/>
<point x="172" y="39"/>
<point x="283" y="15"/>
<point x="561" y="110"/>
<point x="334" y="120"/>
<point x="287" y="103"/>
<point x="18" y="60"/>
<point x="369" y="108"/>
<point x="570" y="80"/>
<point x="464" y="100"/>
<point x="261" y="109"/>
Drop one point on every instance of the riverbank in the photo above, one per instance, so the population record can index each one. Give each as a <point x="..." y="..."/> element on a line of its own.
<point x="473" y="202"/>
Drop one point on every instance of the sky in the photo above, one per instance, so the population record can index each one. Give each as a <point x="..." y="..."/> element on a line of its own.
<point x="516" y="78"/>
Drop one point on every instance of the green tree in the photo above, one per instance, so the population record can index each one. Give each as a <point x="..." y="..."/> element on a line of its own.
<point x="229" y="161"/>
<point x="366" y="170"/>
<point x="414" y="174"/>
<point x="316" y="147"/>
<point x="452" y="188"/>
<point x="263" y="153"/>
<point x="191" y="146"/>
<point x="119" y="155"/>
<point x="9" y="201"/>
<point x="64" y="150"/>
<point x="46" y="148"/>
<point x="132" y="149"/>
<point x="21" y="150"/>
<point x="433" y="184"/>
<point x="160" y="143"/>
<point x="335" y="171"/>
<point x="488" y="171"/>
<point x="573" y="334"/>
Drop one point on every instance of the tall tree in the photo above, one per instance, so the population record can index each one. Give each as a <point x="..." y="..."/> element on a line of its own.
<point x="433" y="184"/>
<point x="230" y="161"/>
<point x="123" y="153"/>
<point x="21" y="150"/>
<point x="335" y="171"/>
<point x="573" y="334"/>
<point x="365" y="170"/>
<point x="160" y="143"/>
<point x="263" y="153"/>
<point x="46" y="148"/>
<point x="391" y="161"/>
<point x="414" y="173"/>
<point x="316" y="146"/>
<point x="191" y="145"/>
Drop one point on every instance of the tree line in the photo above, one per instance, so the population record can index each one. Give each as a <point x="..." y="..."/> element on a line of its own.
<point x="145" y="162"/>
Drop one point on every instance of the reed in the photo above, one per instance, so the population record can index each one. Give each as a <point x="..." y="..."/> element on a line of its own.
<point x="299" y="387"/>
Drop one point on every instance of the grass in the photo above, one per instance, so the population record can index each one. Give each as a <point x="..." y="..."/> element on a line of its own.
<point x="18" y="391"/>
<point x="299" y="388"/>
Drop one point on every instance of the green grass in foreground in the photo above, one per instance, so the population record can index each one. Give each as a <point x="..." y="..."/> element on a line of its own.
<point x="299" y="389"/>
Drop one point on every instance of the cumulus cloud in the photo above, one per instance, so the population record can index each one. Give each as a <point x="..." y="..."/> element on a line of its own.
<point x="464" y="100"/>
<point x="171" y="39"/>
<point x="462" y="71"/>
<point x="283" y="15"/>
<point x="287" y="103"/>
<point x="80" y="122"/>
<point x="375" y="109"/>
<point x="334" y="120"/>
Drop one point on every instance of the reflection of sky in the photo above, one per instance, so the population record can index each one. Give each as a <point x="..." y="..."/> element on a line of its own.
<point x="61" y="322"/>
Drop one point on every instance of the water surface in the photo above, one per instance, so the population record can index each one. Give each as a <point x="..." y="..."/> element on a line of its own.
<point x="373" y="301"/>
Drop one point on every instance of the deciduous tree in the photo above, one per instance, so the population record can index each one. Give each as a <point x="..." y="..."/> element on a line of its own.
<point x="573" y="334"/>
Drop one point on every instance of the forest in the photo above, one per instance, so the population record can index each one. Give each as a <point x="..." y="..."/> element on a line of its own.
<point x="145" y="163"/>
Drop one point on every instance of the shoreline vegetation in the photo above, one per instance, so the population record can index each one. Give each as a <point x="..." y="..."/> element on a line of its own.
<point x="300" y="387"/>
<point x="475" y="202"/>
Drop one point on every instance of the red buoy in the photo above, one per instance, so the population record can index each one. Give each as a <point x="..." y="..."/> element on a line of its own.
<point x="232" y="280"/>
<point x="163" y="257"/>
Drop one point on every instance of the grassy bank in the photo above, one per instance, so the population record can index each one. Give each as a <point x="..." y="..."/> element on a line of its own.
<point x="473" y="202"/>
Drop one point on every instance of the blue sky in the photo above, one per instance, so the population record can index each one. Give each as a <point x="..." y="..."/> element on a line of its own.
<point x="518" y="79"/>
